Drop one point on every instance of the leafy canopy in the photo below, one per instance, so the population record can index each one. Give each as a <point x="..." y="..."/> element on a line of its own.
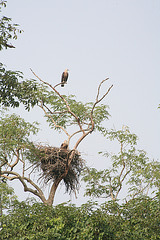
<point x="137" y="219"/>
<point x="14" y="135"/>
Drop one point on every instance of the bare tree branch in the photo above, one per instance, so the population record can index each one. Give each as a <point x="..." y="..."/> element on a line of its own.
<point x="59" y="84"/>
<point x="100" y="87"/>
<point x="38" y="192"/>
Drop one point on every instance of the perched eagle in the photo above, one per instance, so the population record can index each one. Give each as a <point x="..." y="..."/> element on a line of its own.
<point x="64" y="77"/>
<point x="64" y="145"/>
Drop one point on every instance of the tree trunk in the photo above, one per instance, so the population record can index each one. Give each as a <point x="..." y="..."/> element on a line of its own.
<point x="50" y="199"/>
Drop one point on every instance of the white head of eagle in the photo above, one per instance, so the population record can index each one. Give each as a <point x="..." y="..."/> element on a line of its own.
<point x="64" y="77"/>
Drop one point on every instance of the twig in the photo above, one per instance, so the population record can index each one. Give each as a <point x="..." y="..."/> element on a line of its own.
<point x="100" y="87"/>
<point x="59" y="84"/>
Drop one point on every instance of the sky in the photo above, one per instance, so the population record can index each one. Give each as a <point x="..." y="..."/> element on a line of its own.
<point x="119" y="39"/>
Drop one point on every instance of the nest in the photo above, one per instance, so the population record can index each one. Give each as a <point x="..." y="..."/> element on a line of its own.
<point x="53" y="162"/>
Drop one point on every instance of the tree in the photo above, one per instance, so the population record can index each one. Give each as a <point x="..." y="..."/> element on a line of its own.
<point x="130" y="167"/>
<point x="57" y="164"/>
<point x="62" y="113"/>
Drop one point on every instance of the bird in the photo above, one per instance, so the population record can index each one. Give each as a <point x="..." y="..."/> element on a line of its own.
<point x="64" y="77"/>
<point x="64" y="145"/>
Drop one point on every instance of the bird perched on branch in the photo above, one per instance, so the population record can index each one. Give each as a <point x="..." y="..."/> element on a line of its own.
<point x="64" y="77"/>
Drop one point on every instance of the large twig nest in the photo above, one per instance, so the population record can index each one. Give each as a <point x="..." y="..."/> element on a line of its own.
<point x="53" y="162"/>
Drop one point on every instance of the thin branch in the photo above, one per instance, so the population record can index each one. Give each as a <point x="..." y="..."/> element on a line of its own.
<point x="29" y="167"/>
<point x="91" y="115"/>
<point x="8" y="45"/>
<point x="100" y="87"/>
<point x="99" y="100"/>
<point x="125" y="175"/>
<point x="142" y="189"/>
<point x="60" y="112"/>
<point x="84" y="130"/>
<point x="59" y="84"/>
<point x="111" y="190"/>
<point x="17" y="159"/>
<point x="31" y="171"/>
<point x="120" y="187"/>
<point x="49" y="110"/>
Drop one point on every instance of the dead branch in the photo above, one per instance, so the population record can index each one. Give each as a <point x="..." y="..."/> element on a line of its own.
<point x="100" y="87"/>
<point x="99" y="100"/>
<point x="90" y="130"/>
<point x="59" y="84"/>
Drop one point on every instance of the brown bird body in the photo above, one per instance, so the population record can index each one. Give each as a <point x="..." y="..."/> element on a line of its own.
<point x="64" y="77"/>
<point x="64" y="145"/>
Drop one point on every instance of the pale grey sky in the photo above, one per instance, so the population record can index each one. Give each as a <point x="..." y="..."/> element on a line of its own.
<point x="119" y="39"/>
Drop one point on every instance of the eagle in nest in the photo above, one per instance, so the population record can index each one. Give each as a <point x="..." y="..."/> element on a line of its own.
<point x="64" y="145"/>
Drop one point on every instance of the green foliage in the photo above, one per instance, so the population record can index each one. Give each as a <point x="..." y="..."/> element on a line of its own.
<point x="62" y="222"/>
<point x="8" y="30"/>
<point x="13" y="91"/>
<point x="97" y="182"/>
<point x="14" y="135"/>
<point x="7" y="195"/>
<point x="137" y="219"/>
<point x="81" y="110"/>
<point x="8" y="87"/>
<point x="130" y="166"/>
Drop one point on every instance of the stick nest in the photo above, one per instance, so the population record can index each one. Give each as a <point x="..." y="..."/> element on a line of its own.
<point x="53" y="162"/>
